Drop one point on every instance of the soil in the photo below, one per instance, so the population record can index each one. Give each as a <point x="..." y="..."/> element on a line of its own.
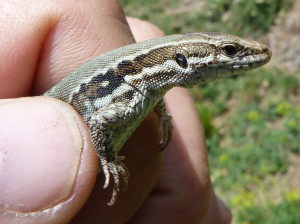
<point x="284" y="40"/>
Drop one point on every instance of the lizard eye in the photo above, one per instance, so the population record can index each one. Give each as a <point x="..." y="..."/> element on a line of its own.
<point x="181" y="60"/>
<point x="230" y="50"/>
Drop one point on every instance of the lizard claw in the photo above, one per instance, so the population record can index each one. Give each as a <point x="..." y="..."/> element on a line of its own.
<point x="106" y="172"/>
<point x="116" y="168"/>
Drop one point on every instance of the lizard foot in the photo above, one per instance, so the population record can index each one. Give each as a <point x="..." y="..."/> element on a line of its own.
<point x="116" y="168"/>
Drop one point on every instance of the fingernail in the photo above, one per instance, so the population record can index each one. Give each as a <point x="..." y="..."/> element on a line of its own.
<point x="40" y="149"/>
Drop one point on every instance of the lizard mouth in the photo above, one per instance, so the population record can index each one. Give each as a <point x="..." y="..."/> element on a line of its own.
<point x="224" y="67"/>
<point x="212" y="72"/>
<point x="252" y="61"/>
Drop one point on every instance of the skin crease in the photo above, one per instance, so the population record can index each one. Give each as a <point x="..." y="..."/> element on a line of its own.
<point x="45" y="42"/>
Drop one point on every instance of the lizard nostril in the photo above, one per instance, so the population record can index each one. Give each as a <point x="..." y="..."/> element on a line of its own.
<point x="266" y="49"/>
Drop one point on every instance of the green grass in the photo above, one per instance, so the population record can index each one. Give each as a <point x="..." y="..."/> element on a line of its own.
<point x="251" y="121"/>
<point x="241" y="17"/>
<point x="287" y="212"/>
<point x="253" y="129"/>
<point x="265" y="124"/>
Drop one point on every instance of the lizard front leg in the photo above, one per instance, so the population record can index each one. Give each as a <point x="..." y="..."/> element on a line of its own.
<point x="165" y="127"/>
<point x="101" y="124"/>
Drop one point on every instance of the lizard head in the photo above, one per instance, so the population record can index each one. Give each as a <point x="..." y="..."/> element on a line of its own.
<point x="191" y="59"/>
<point x="204" y="57"/>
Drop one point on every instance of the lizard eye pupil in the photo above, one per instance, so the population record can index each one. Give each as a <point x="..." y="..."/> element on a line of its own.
<point x="181" y="60"/>
<point x="230" y="50"/>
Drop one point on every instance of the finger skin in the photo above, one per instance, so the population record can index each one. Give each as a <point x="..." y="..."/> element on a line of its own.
<point x="47" y="168"/>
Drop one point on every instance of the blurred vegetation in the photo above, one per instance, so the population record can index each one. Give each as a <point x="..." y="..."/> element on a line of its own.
<point x="241" y="17"/>
<point x="252" y="133"/>
<point x="251" y="121"/>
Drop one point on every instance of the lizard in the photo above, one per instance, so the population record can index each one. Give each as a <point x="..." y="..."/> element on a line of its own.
<point x="115" y="91"/>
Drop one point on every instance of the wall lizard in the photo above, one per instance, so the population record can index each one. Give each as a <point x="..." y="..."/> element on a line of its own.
<point x="115" y="91"/>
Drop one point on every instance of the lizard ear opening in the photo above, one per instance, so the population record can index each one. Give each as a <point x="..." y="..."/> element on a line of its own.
<point x="181" y="60"/>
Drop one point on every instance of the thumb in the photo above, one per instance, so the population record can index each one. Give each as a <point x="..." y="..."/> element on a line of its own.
<point x="47" y="163"/>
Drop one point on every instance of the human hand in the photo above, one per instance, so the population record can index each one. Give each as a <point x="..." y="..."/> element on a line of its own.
<point x="48" y="164"/>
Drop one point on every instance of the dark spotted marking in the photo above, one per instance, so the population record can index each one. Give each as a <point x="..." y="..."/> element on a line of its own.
<point x="141" y="57"/>
<point x="195" y="54"/>
<point x="95" y="89"/>
<point x="126" y="96"/>
<point x="126" y="68"/>
<point x="152" y="58"/>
